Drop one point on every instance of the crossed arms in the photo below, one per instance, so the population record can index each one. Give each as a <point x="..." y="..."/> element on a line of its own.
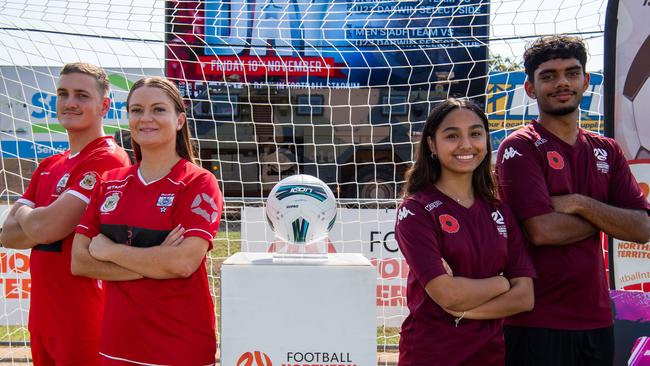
<point x="481" y="299"/>
<point x="101" y="258"/>
<point x="26" y="227"/>
<point x="578" y="217"/>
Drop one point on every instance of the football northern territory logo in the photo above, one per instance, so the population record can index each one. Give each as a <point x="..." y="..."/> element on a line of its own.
<point x="255" y="358"/>
<point x="497" y="217"/>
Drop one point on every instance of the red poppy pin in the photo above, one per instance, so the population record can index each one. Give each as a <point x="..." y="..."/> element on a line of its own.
<point x="555" y="160"/>
<point x="449" y="223"/>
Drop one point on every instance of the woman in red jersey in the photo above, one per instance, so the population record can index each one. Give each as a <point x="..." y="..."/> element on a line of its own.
<point x="146" y="233"/>
<point x="469" y="267"/>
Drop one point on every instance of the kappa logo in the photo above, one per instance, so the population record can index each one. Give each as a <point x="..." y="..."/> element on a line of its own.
<point x="165" y="200"/>
<point x="200" y="206"/>
<point x="255" y="358"/>
<point x="498" y="217"/>
<point x="600" y="154"/>
<point x="510" y="152"/>
<point x="403" y="213"/>
<point x="62" y="183"/>
<point x="88" y="182"/>
<point x="110" y="203"/>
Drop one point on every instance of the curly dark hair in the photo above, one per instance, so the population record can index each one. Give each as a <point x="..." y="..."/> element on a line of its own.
<point x="552" y="47"/>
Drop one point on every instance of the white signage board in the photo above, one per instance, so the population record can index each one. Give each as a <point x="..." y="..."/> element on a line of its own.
<point x="632" y="260"/>
<point x="297" y="313"/>
<point x="15" y="283"/>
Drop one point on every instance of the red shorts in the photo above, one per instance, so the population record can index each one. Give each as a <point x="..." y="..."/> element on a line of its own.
<point x="48" y="351"/>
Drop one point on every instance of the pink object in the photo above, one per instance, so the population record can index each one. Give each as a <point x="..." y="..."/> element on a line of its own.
<point x="640" y="353"/>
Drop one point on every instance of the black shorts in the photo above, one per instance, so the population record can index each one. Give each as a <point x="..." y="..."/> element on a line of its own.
<point x="553" y="347"/>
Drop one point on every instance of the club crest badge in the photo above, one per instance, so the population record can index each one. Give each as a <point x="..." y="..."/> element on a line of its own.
<point x="165" y="200"/>
<point x="110" y="203"/>
<point x="88" y="182"/>
<point x="62" y="183"/>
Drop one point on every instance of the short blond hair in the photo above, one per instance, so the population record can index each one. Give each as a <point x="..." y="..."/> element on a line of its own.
<point x="96" y="72"/>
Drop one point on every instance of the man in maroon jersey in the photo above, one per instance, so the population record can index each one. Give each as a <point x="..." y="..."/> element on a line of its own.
<point x="65" y="310"/>
<point x="565" y="185"/>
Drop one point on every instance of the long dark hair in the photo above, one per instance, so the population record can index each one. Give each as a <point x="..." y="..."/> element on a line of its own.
<point x="183" y="145"/>
<point x="426" y="170"/>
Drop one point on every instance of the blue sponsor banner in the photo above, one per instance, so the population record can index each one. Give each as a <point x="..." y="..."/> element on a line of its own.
<point x="508" y="107"/>
<point x="319" y="43"/>
<point x="13" y="149"/>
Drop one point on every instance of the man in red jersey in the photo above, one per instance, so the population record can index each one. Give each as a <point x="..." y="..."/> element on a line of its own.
<point x="565" y="185"/>
<point x="65" y="310"/>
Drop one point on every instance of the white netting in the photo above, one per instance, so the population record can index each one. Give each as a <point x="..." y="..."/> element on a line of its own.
<point x="337" y="89"/>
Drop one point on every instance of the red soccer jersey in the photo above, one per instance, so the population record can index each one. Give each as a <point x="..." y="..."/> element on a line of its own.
<point x="477" y="242"/>
<point x="148" y="321"/>
<point x="62" y="305"/>
<point x="532" y="166"/>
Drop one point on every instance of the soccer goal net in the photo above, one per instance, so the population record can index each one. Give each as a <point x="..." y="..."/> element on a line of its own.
<point x="338" y="89"/>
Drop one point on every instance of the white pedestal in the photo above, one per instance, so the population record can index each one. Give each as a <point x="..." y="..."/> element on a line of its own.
<point x="298" y="314"/>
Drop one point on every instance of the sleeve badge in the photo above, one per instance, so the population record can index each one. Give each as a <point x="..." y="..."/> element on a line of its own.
<point x="88" y="181"/>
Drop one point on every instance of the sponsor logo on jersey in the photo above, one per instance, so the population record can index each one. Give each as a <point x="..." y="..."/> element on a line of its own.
<point x="600" y="154"/>
<point x="403" y="213"/>
<point x="540" y="142"/>
<point x="555" y="160"/>
<point x="435" y="204"/>
<point x="110" y="203"/>
<point x="449" y="223"/>
<point x="116" y="186"/>
<point x="111" y="145"/>
<point x="204" y="206"/>
<point x="510" y="152"/>
<point x="255" y="358"/>
<point x="165" y="200"/>
<point x="501" y="225"/>
<point x="62" y="183"/>
<point x="88" y="182"/>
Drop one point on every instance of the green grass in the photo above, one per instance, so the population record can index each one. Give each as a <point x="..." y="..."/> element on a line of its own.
<point x="14" y="333"/>
<point x="55" y="127"/>
<point x="225" y="244"/>
<point x="387" y="336"/>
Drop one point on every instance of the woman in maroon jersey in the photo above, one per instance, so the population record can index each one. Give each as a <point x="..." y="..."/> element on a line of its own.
<point x="468" y="263"/>
<point x="146" y="233"/>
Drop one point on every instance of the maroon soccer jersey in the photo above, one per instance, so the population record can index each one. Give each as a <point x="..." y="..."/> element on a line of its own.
<point x="477" y="242"/>
<point x="148" y="321"/>
<point x="532" y="166"/>
<point x="62" y="305"/>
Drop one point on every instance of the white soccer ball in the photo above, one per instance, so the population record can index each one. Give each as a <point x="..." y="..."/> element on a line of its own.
<point x="301" y="209"/>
